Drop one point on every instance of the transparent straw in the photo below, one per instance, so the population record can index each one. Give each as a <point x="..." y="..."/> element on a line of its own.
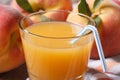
<point x="98" y="43"/>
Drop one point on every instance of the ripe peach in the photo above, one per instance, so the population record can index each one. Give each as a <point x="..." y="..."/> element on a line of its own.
<point x="44" y="5"/>
<point x="11" y="53"/>
<point x="109" y="28"/>
<point x="38" y="5"/>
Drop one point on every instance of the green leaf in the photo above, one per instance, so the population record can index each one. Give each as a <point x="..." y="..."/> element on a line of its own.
<point x="97" y="20"/>
<point x="25" y="5"/>
<point x="96" y="3"/>
<point x="84" y="8"/>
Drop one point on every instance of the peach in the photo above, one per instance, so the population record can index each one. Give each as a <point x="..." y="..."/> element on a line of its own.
<point x="109" y="26"/>
<point x="11" y="52"/>
<point x="38" y="5"/>
<point x="44" y="5"/>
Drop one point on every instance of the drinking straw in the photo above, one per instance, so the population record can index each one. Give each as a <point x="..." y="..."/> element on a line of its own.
<point x="98" y="43"/>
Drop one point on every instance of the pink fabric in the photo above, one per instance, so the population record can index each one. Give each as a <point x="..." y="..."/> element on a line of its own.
<point x="95" y="70"/>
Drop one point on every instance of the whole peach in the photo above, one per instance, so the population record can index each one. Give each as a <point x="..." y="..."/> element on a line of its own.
<point x="11" y="52"/>
<point x="109" y="27"/>
<point x="44" y="5"/>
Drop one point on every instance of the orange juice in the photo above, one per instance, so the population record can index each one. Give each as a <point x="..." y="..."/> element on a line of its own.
<point x="50" y="55"/>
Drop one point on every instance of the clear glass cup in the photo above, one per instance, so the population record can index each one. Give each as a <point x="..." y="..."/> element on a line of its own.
<point x="49" y="53"/>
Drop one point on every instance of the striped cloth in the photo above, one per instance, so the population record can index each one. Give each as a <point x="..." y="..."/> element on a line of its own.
<point x="95" y="69"/>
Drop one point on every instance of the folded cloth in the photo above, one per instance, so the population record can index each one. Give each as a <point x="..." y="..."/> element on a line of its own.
<point x="95" y="69"/>
<point x="93" y="74"/>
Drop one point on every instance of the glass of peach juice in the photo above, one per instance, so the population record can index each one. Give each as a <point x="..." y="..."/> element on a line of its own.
<point x="49" y="53"/>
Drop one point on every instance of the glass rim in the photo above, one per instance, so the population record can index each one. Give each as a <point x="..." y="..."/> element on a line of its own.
<point x="44" y="11"/>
